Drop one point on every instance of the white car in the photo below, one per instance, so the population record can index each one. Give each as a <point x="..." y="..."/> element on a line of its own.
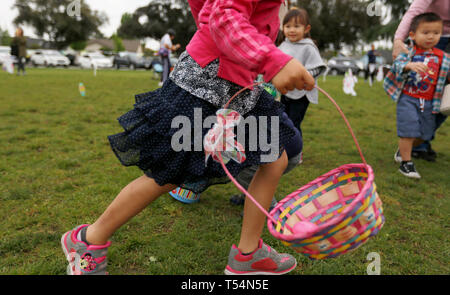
<point x="89" y="60"/>
<point x="49" y="58"/>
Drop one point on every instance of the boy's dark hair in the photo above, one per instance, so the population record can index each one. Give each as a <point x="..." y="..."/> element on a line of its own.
<point x="300" y="15"/>
<point x="429" y="17"/>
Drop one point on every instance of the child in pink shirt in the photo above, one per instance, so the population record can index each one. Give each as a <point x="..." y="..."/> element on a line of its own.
<point x="233" y="44"/>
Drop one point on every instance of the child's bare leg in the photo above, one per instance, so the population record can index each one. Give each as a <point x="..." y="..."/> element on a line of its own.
<point x="129" y="202"/>
<point x="405" y="146"/>
<point x="262" y="188"/>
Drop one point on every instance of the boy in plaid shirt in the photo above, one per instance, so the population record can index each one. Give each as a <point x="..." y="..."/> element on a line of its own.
<point x="416" y="81"/>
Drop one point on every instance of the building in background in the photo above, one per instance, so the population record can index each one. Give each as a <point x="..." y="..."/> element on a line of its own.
<point x="100" y="44"/>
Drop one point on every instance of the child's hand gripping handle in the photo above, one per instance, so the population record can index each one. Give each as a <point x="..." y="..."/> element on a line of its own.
<point x="293" y="76"/>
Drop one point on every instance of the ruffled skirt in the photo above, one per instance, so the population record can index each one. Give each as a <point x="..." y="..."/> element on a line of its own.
<point x="147" y="139"/>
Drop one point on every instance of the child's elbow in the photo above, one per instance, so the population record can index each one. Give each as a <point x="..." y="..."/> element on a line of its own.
<point x="217" y="22"/>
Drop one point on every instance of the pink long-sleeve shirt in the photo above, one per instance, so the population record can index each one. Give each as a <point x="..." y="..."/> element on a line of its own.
<point x="241" y="34"/>
<point x="440" y="7"/>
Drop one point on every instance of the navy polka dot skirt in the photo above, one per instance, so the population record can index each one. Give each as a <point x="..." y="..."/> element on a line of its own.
<point x="146" y="141"/>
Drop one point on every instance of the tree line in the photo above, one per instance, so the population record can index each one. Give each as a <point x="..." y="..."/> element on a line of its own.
<point x="334" y="22"/>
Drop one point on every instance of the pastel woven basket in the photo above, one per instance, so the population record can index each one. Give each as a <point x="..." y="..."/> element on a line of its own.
<point x="332" y="215"/>
<point x="185" y="196"/>
<point x="343" y="204"/>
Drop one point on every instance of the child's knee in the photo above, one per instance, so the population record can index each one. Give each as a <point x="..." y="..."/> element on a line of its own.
<point x="279" y="166"/>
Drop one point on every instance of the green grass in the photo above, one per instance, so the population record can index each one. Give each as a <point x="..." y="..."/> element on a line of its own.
<point x="57" y="171"/>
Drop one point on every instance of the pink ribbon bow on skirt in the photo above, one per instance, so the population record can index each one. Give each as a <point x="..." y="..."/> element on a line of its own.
<point x="221" y="138"/>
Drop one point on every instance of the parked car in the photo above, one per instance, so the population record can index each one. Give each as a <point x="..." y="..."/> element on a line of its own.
<point x="72" y="55"/>
<point x="87" y="60"/>
<point x="30" y="53"/>
<point x="340" y="65"/>
<point x="49" y="58"/>
<point x="131" y="60"/>
<point x="380" y="61"/>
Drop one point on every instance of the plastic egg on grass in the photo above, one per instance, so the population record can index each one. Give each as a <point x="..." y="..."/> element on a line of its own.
<point x="82" y="89"/>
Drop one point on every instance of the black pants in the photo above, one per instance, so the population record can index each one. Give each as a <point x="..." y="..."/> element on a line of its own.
<point x="21" y="64"/>
<point x="368" y="73"/>
<point x="295" y="109"/>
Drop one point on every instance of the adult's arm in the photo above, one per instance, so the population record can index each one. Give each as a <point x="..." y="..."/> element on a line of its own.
<point x="416" y="8"/>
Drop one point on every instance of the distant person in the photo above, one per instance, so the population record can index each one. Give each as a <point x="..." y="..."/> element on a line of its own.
<point x="441" y="8"/>
<point x="416" y="82"/>
<point x="19" y="50"/>
<point x="371" y="65"/>
<point x="165" y="50"/>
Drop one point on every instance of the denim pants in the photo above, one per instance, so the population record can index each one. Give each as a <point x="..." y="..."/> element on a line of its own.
<point x="166" y="68"/>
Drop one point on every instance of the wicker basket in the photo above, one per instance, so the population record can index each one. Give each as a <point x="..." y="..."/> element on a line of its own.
<point x="332" y="215"/>
<point x="343" y="204"/>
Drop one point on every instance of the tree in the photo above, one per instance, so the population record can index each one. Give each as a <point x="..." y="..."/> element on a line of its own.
<point x="50" y="18"/>
<point x="118" y="44"/>
<point x="156" y="18"/>
<point x="78" y="45"/>
<point x="396" y="8"/>
<point x="130" y="27"/>
<point x="337" y="22"/>
<point x="5" y="39"/>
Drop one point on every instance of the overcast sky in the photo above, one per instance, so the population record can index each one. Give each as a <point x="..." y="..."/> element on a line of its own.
<point x="112" y="8"/>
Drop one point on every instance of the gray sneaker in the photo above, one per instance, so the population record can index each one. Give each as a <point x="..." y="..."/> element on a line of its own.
<point x="263" y="261"/>
<point x="83" y="259"/>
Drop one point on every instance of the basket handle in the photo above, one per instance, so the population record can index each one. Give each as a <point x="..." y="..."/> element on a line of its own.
<point x="346" y="122"/>
<point x="244" y="190"/>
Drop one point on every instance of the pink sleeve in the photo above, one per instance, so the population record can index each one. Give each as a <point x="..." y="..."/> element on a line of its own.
<point x="416" y="8"/>
<point x="240" y="41"/>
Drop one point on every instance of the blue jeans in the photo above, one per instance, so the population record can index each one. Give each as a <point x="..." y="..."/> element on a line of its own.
<point x="166" y="68"/>
<point x="440" y="118"/>
<point x="412" y="120"/>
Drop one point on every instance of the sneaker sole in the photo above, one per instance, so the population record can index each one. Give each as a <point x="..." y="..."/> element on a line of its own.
<point x="414" y="176"/>
<point x="255" y="273"/>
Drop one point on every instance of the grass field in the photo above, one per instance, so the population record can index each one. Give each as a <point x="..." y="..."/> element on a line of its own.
<point x="57" y="171"/>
